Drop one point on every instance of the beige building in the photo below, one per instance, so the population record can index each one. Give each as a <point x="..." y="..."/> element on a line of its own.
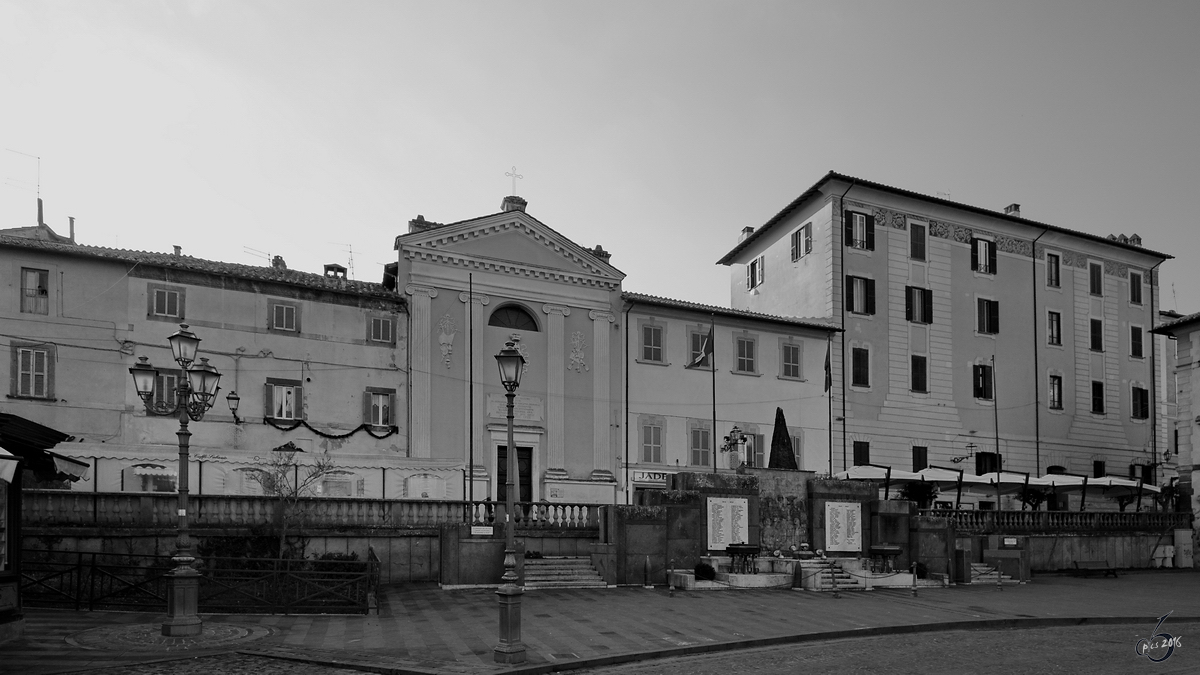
<point x="973" y="338"/>
<point x="318" y="360"/>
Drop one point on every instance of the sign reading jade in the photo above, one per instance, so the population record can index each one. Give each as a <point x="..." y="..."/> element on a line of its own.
<point x="843" y="526"/>
<point x="728" y="522"/>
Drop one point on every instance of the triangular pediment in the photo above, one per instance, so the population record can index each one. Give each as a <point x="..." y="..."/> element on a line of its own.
<point x="511" y="241"/>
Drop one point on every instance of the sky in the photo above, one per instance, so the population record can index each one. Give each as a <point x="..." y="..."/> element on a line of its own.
<point x="317" y="130"/>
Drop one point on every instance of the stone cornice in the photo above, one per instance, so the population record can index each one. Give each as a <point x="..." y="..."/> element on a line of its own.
<point x="513" y="268"/>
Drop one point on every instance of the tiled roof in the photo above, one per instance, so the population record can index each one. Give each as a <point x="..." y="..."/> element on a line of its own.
<point x="191" y="264"/>
<point x="643" y="299"/>
<point x="833" y="175"/>
<point x="1168" y="327"/>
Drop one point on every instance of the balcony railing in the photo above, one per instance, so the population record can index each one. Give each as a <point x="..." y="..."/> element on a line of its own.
<point x="1033" y="522"/>
<point x="66" y="508"/>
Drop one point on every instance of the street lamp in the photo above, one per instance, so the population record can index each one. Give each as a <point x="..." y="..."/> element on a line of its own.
<point x="194" y="395"/>
<point x="510" y="649"/>
<point x="733" y="443"/>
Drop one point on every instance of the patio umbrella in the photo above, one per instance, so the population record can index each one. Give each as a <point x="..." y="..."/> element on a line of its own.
<point x="889" y="475"/>
<point x="950" y="478"/>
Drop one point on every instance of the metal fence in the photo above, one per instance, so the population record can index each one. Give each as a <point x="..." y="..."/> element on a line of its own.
<point x="1033" y="522"/>
<point x="92" y="581"/>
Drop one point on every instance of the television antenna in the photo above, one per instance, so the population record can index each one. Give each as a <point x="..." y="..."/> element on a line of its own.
<point x="350" y="254"/>
<point x="9" y="180"/>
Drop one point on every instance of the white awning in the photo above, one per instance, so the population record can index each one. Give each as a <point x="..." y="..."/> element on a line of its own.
<point x="73" y="468"/>
<point x="153" y="470"/>
<point x="8" y="465"/>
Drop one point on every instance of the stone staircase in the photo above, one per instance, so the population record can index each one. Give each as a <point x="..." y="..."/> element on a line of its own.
<point x="561" y="573"/>
<point x="982" y="573"/>
<point x="820" y="575"/>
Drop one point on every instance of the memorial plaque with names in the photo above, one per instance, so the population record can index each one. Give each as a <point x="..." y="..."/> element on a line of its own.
<point x="843" y="526"/>
<point x="728" y="522"/>
<point x="525" y="408"/>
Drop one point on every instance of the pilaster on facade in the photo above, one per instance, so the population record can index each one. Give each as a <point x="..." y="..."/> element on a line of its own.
<point x="556" y="370"/>
<point x="420" y="353"/>
<point x="473" y="383"/>
<point x="602" y="426"/>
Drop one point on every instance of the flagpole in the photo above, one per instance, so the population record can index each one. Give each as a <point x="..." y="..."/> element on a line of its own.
<point x="712" y="440"/>
<point x="471" y="391"/>
<point x="829" y="392"/>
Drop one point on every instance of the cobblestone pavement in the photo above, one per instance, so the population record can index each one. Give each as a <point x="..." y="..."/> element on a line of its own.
<point x="426" y="629"/>
<point x="225" y="664"/>
<point x="1094" y="650"/>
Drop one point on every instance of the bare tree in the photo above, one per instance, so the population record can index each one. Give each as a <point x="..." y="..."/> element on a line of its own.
<point x="289" y="479"/>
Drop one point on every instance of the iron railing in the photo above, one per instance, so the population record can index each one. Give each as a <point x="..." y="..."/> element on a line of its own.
<point x="1033" y="522"/>
<point x="93" y="581"/>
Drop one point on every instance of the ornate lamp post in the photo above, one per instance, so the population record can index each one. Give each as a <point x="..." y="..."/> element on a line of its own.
<point x="194" y="395"/>
<point x="733" y="443"/>
<point x="510" y="649"/>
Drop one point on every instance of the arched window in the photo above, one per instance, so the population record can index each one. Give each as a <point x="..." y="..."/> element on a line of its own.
<point x="1056" y="470"/>
<point x="512" y="316"/>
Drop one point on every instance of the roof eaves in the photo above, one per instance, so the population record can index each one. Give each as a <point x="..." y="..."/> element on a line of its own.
<point x="642" y="298"/>
<point x="1170" y="327"/>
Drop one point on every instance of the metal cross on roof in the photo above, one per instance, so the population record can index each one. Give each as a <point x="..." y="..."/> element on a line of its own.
<point x="514" y="175"/>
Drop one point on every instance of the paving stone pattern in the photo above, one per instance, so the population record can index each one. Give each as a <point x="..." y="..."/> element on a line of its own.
<point x="422" y="628"/>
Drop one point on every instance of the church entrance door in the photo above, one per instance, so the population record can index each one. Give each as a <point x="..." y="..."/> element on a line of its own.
<point x="524" y="474"/>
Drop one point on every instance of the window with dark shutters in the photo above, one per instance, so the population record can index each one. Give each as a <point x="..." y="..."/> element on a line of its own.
<point x="920" y="457"/>
<point x="1097" y="397"/>
<point x="983" y="256"/>
<point x="919" y="373"/>
<point x="982" y="377"/>
<point x="862" y="453"/>
<point x="1135" y="288"/>
<point x="1141" y="403"/>
<point x="1095" y="279"/>
<point x="859" y="230"/>
<point x="1135" y="341"/>
<point x="916" y="241"/>
<point x="860" y="367"/>
<point x="918" y="304"/>
<point x="1097" y="335"/>
<point x="988" y="316"/>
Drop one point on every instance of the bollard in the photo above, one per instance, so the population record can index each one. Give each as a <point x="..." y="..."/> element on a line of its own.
<point x="833" y="577"/>
<point x="646" y="574"/>
<point x="999" y="585"/>
<point x="671" y="580"/>
<point x="914" y="575"/>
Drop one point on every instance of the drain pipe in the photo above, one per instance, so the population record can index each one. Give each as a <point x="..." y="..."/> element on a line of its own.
<point x="1153" y="373"/>
<point x="1037" y="372"/>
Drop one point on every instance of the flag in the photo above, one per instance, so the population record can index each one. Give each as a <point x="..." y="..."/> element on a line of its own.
<point x="706" y="350"/>
<point x="828" y="370"/>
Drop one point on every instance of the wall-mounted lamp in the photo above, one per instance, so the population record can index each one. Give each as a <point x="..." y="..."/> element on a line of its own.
<point x="234" y="401"/>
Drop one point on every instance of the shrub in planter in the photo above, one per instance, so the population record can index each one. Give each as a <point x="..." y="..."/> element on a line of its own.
<point x="705" y="572"/>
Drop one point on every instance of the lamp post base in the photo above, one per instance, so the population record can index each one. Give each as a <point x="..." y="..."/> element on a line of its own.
<point x="183" y="601"/>
<point x="510" y="649"/>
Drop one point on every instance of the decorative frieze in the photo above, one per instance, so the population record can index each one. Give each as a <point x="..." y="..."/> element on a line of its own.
<point x="578" y="362"/>
<point x="447" y="329"/>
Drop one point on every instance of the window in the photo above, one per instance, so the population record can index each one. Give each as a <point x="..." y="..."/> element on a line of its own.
<point x="1054" y="328"/>
<point x="981" y="375"/>
<point x="920" y="457"/>
<point x="798" y="447"/>
<point x="860" y="231"/>
<point x="381" y="330"/>
<point x="652" y="343"/>
<point x="860" y="295"/>
<point x="920" y="376"/>
<point x="1141" y="403"/>
<point x="983" y="256"/>
<point x="652" y="443"/>
<point x="1098" y="469"/>
<point x="791" y="360"/>
<point x="514" y="317"/>
<point x="745" y="355"/>
<point x="802" y="242"/>
<point x="1135" y="288"/>
<point x="756" y="450"/>
<point x="916" y="241"/>
<point x="1095" y="279"/>
<point x="986" y="462"/>
<point x="860" y="358"/>
<point x="701" y="445"/>
<point x="754" y="273"/>
<point x="1097" y="335"/>
<point x="697" y="348"/>
<point x="1056" y="392"/>
<point x="285" y="316"/>
<point x="1053" y="270"/>
<point x="918" y="304"/>
<point x="1135" y="342"/>
<point x="35" y="291"/>
<point x="164" y="387"/>
<point x="862" y="453"/>
<point x="33" y="371"/>
<point x="1097" y="397"/>
<point x="988" y="316"/>
<point x="379" y="407"/>
<point x="1148" y="474"/>
<point x="164" y="302"/>
<point x="283" y="399"/>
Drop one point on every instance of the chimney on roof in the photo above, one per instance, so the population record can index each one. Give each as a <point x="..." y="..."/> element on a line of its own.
<point x="1135" y="239"/>
<point x="513" y="203"/>
<point x="1013" y="210"/>
<point x="277" y="263"/>
<point x="746" y="232"/>
<point x="72" y="219"/>
<point x="600" y="253"/>
<point x="40" y="221"/>
<point x="335" y="271"/>
<point x="419" y="224"/>
<point x="178" y="250"/>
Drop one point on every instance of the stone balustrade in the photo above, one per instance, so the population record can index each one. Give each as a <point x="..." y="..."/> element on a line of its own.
<point x="67" y="508"/>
